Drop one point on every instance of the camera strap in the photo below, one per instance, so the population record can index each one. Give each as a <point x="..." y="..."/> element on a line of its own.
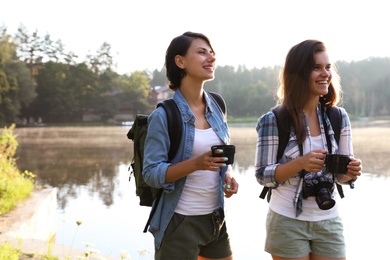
<point x="302" y="172"/>
<point x="329" y="144"/>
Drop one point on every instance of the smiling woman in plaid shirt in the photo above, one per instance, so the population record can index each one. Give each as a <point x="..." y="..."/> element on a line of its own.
<point x="296" y="227"/>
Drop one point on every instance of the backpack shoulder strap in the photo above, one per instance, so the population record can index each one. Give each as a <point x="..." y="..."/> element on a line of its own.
<point x="283" y="130"/>
<point x="220" y="101"/>
<point x="334" y="115"/>
<point x="174" y="125"/>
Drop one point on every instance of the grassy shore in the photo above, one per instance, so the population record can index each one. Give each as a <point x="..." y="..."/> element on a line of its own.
<point x="15" y="187"/>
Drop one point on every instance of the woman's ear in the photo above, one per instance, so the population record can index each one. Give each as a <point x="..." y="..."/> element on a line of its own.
<point x="179" y="61"/>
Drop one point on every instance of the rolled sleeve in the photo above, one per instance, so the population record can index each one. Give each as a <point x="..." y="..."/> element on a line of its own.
<point x="156" y="149"/>
<point x="266" y="150"/>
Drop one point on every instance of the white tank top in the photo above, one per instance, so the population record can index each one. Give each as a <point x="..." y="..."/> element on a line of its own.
<point x="282" y="198"/>
<point x="200" y="192"/>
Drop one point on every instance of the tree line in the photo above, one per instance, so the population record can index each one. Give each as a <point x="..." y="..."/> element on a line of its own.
<point x="40" y="80"/>
<point x="365" y="87"/>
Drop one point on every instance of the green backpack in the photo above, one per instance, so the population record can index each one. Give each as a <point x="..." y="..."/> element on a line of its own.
<point x="137" y="133"/>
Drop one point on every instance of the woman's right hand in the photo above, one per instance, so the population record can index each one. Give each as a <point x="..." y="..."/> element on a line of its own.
<point x="313" y="161"/>
<point x="310" y="162"/>
<point x="206" y="161"/>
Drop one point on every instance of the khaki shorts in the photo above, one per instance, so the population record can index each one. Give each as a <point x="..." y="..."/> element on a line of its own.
<point x="187" y="237"/>
<point x="292" y="238"/>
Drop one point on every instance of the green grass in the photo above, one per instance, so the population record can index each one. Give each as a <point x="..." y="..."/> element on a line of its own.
<point x="15" y="186"/>
<point x="9" y="252"/>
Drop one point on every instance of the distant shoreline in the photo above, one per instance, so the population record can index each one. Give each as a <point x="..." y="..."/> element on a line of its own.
<point x="366" y="122"/>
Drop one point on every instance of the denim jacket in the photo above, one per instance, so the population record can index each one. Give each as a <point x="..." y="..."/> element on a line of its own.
<point x="156" y="157"/>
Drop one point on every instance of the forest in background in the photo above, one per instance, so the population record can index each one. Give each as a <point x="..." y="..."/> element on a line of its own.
<point x="40" y="80"/>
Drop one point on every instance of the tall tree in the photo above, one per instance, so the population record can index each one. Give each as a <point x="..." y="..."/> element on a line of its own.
<point x="84" y="85"/>
<point x="30" y="48"/>
<point x="17" y="87"/>
<point x="102" y="60"/>
<point x="25" y="87"/>
<point x="53" y="50"/>
<point x="56" y="102"/>
<point x="158" y="78"/>
<point x="107" y="102"/>
<point x="135" y="91"/>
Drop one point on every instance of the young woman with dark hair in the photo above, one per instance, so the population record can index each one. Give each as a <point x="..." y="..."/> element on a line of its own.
<point x="189" y="220"/>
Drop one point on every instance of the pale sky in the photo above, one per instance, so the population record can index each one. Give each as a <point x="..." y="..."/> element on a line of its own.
<point x="254" y="33"/>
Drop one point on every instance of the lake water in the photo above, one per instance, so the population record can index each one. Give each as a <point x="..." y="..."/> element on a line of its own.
<point x="89" y="166"/>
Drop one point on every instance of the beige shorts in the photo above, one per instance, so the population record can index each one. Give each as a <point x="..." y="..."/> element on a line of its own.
<point x="292" y="238"/>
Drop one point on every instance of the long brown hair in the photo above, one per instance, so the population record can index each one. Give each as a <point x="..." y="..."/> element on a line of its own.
<point x="294" y="87"/>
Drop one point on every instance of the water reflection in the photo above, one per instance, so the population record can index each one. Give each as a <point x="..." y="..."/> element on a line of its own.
<point x="69" y="157"/>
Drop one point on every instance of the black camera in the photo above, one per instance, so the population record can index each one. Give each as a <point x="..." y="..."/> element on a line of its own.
<point x="321" y="188"/>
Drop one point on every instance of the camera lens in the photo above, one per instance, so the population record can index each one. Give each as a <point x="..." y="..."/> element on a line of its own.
<point x="324" y="199"/>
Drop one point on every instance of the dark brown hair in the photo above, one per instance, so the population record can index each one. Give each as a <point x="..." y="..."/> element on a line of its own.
<point x="179" y="46"/>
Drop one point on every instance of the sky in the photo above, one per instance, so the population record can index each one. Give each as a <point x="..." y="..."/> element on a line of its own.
<point x="253" y="33"/>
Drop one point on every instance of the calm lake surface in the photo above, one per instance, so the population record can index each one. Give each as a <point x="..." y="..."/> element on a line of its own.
<point x="89" y="166"/>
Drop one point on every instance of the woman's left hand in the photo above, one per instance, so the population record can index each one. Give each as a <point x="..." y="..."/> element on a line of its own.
<point x="354" y="169"/>
<point x="231" y="186"/>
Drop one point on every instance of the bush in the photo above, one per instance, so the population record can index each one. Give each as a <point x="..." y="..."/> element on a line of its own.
<point x="14" y="185"/>
<point x="8" y="252"/>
